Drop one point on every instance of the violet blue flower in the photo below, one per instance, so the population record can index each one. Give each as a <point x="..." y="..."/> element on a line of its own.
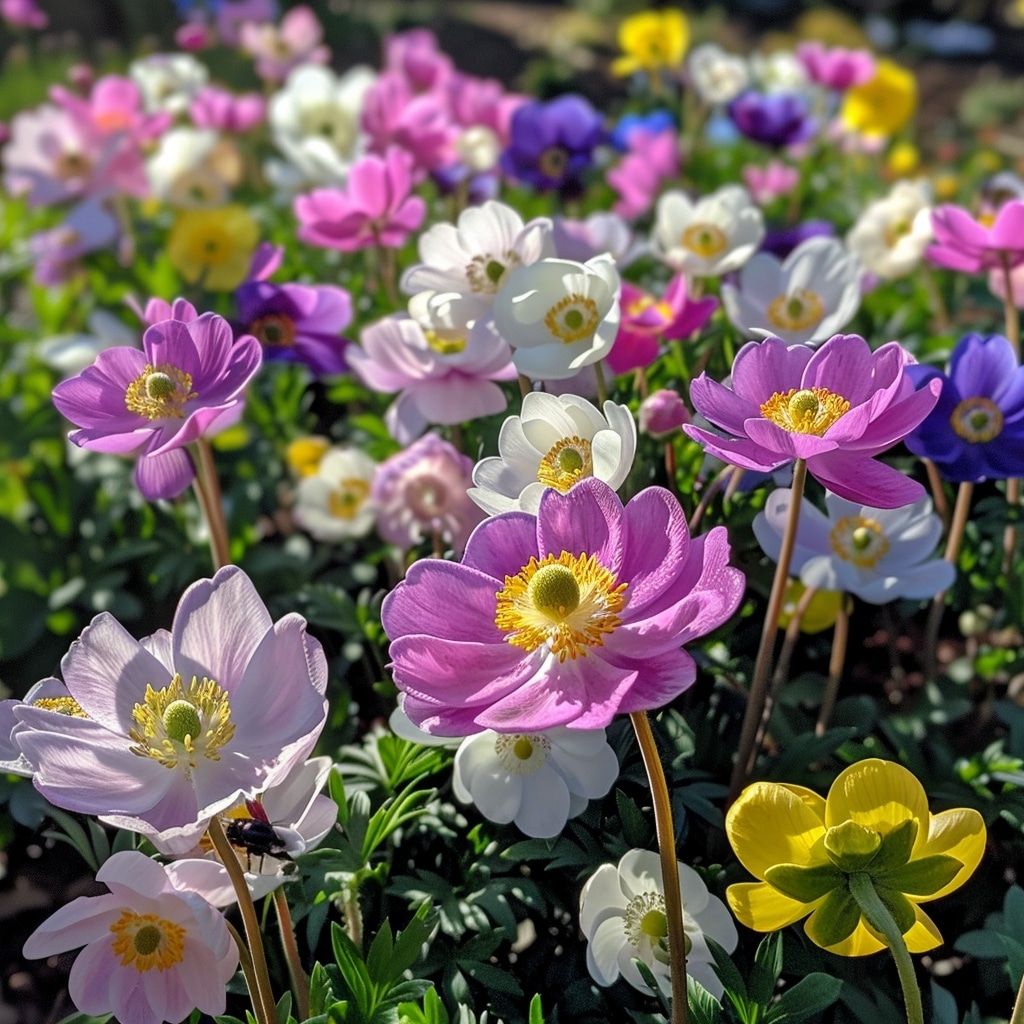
<point x="296" y="322"/>
<point x="782" y="241"/>
<point x="655" y="123"/>
<point x="179" y="726"/>
<point x="568" y="617"/>
<point x="553" y="143"/>
<point x="976" y="430"/>
<point x="773" y="119"/>
<point x="836" y="408"/>
<point x="187" y="382"/>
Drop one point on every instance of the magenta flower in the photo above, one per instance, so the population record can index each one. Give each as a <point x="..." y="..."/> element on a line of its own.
<point x="965" y="244"/>
<point x="233" y="14"/>
<point x="568" y="617"/>
<point x="662" y="413"/>
<point x="653" y="158"/>
<point x="23" y="14"/>
<point x="224" y="111"/>
<point x="416" y="56"/>
<point x="152" y="952"/>
<point x="646" y="321"/>
<point x="114" y="107"/>
<point x="187" y="382"/>
<point x="278" y="49"/>
<point x="179" y="727"/>
<point x="375" y="208"/>
<point x="835" y="66"/>
<point x="836" y="408"/>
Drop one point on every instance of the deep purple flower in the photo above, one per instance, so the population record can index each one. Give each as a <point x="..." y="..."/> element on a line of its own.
<point x="782" y="241"/>
<point x="976" y="430"/>
<point x="836" y="408"/>
<point x="187" y="382"/>
<point x="553" y="143"/>
<point x="297" y="322"/>
<point x="568" y="617"/>
<point x="775" y="119"/>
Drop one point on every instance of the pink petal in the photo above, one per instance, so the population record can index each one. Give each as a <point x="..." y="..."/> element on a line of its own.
<point x="586" y="520"/>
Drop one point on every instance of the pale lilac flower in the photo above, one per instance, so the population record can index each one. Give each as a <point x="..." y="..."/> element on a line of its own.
<point x="187" y="382"/>
<point x="375" y="208"/>
<point x="568" y="617"/>
<point x="421" y="492"/>
<point x="415" y="54"/>
<point x="152" y="952"/>
<point x="280" y="48"/>
<point x="441" y="377"/>
<point x="182" y="725"/>
<point x="89" y="227"/>
<point x="51" y="695"/>
<point x="771" y="181"/>
<point x="225" y="111"/>
<point x="600" y="232"/>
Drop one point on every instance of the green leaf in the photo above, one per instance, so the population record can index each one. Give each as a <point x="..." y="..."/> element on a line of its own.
<point x="805" y="884"/>
<point x="704" y="1007"/>
<point x="726" y="970"/>
<point x="896" y="847"/>
<point x="766" y="969"/>
<point x="408" y="946"/>
<point x="377" y="960"/>
<point x="810" y="995"/>
<point x="636" y="830"/>
<point x="492" y="977"/>
<point x="652" y="983"/>
<point x="921" y="877"/>
<point x="536" y="1011"/>
<point x="898" y="905"/>
<point x="834" y="920"/>
<point x="284" y="1008"/>
<point x="320" y="990"/>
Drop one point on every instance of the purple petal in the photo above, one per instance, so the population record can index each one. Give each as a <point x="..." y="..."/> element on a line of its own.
<point x="868" y="481"/>
<point x="502" y="545"/>
<point x="164" y="476"/>
<point x="586" y="520"/>
<point x="721" y="405"/>
<point x="764" y="368"/>
<point x="657" y="542"/>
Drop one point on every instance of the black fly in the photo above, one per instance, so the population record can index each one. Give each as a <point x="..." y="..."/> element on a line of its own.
<point x="257" y="837"/>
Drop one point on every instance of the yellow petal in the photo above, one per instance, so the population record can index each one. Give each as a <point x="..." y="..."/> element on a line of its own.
<point x="959" y="833"/>
<point x="759" y="906"/>
<point x="878" y="794"/>
<point x="860" y="943"/>
<point x="920" y="937"/>
<point x="771" y="823"/>
<point x="923" y="935"/>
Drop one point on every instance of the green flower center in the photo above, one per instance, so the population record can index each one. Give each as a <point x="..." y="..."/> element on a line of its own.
<point x="977" y="420"/>
<point x="147" y="939"/>
<point x="181" y="720"/>
<point x="805" y="411"/>
<point x="554" y="591"/>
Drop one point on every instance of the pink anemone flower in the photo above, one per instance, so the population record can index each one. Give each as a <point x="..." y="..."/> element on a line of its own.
<point x="972" y="246"/>
<point x="836" y="67"/>
<point x="279" y="48"/>
<point x="836" y="408"/>
<point x="568" y="617"/>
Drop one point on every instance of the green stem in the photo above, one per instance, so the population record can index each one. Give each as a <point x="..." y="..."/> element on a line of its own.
<point x="207" y="489"/>
<point x="296" y="972"/>
<point x="602" y="387"/>
<point x="877" y="915"/>
<point x="762" y="666"/>
<point x="669" y="865"/>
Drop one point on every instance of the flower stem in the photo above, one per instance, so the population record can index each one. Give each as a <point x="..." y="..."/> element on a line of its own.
<point x="244" y="960"/>
<point x="877" y="915"/>
<point x="263" y="997"/>
<point x="669" y="867"/>
<point x="602" y="386"/>
<point x="207" y="489"/>
<point x="1010" y="316"/>
<point x="525" y="385"/>
<point x="1017" y="1017"/>
<point x="835" y="666"/>
<point x="296" y="972"/>
<point x="353" y="913"/>
<point x="762" y="666"/>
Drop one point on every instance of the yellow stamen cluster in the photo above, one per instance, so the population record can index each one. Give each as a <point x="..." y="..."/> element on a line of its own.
<point x="486" y="273"/>
<point x="447" y="344"/>
<point x="566" y="463"/>
<point x="160" y="392"/>
<point x="977" y="419"/>
<point x="145" y="941"/>
<point x="568" y="603"/>
<point x="805" y="411"/>
<point x="572" y="318"/>
<point x="348" y="497"/>
<point x="62" y="705"/>
<point x="796" y="311"/>
<point x="859" y="540"/>
<point x="521" y="753"/>
<point x="704" y="239"/>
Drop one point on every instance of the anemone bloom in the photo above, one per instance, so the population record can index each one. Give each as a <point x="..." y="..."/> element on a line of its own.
<point x="836" y="409"/>
<point x="175" y="728"/>
<point x="971" y="246"/>
<point x="568" y="617"/>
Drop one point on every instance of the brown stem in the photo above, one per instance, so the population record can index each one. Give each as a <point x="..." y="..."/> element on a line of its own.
<point x="835" y="667"/>
<point x="669" y="866"/>
<point x="762" y="666"/>
<point x="207" y="488"/>
<point x="1010" y="316"/>
<point x="243" y="958"/>
<point x="938" y="492"/>
<point x="705" y="499"/>
<point x="525" y="385"/>
<point x="296" y="972"/>
<point x="1010" y="533"/>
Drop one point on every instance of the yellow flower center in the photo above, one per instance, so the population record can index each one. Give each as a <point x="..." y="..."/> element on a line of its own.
<point x="573" y="318"/>
<point x="61" y="705"/>
<point x="178" y="726"/>
<point x="486" y="273"/>
<point x="210" y="246"/>
<point x="145" y="941"/>
<point x="646" y="926"/>
<point x="566" y="463"/>
<point x="977" y="420"/>
<point x="160" y="392"/>
<point x="522" y="753"/>
<point x="807" y="411"/>
<point x="895" y="231"/>
<point x="639" y="306"/>
<point x="568" y="603"/>
<point x="447" y="344"/>
<point x="348" y="497"/>
<point x="795" y="312"/>
<point x="275" y="329"/>
<point x="704" y="240"/>
<point x="859" y="540"/>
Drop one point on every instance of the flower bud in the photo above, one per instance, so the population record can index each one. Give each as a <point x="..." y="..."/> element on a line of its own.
<point x="662" y="413"/>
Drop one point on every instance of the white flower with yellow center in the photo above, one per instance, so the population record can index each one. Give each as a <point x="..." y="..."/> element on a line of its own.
<point x="192" y="168"/>
<point x="555" y="441"/>
<point x="168" y="81"/>
<point x="717" y="75"/>
<point x="804" y="299"/>
<point x="877" y="554"/>
<point x="334" y="503"/>
<point x="622" y="915"/>
<point x="559" y="315"/>
<point x="536" y="780"/>
<point x="712" y="236"/>
<point x="891" y="235"/>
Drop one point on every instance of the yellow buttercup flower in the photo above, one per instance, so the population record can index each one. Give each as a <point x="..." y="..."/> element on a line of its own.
<point x="903" y="160"/>
<point x="817" y="856"/>
<point x="304" y="454"/>
<point x="213" y="248"/>
<point x="652" y="41"/>
<point x="883" y="105"/>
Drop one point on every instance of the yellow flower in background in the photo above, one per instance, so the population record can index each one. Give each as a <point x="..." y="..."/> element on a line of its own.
<point x="903" y="159"/>
<point x="816" y="856"/>
<point x="303" y="455"/>
<point x="213" y="248"/>
<point x="883" y="105"/>
<point x="652" y="41"/>
<point x="821" y="610"/>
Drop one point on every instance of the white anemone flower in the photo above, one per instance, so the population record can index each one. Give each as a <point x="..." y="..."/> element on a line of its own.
<point x="710" y="237"/>
<point x="555" y="441"/>
<point x="559" y="315"/>
<point x="803" y="299"/>
<point x="334" y="503"/>
<point x="892" y="233"/>
<point x="168" y="81"/>
<point x="779" y="71"/>
<point x="717" y="75"/>
<point x="622" y="914"/>
<point x="538" y="780"/>
<point x="468" y="262"/>
<point x="188" y="169"/>
<point x="314" y="121"/>
<point x="877" y="554"/>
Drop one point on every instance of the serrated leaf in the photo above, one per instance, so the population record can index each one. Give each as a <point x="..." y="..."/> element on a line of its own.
<point x="636" y="830"/>
<point x="320" y="990"/>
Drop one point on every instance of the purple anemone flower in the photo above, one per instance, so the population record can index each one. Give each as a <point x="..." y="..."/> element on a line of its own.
<point x="187" y="382"/>
<point x="553" y="143"/>
<point x="568" y="617"/>
<point x="836" y="408"/>
<point x="776" y="119"/>
<point x="297" y="322"/>
<point x="976" y="430"/>
<point x="782" y="241"/>
<point x="168" y="731"/>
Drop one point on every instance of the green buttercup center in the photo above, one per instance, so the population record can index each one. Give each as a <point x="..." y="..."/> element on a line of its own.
<point x="181" y="720"/>
<point x="851" y="846"/>
<point x="567" y="462"/>
<point x="646" y="926"/>
<point x="573" y="319"/>
<point x="554" y="591"/>
<point x="159" y="385"/>
<point x="445" y="343"/>
<point x="160" y="392"/>
<point x="861" y="538"/>
<point x="147" y="940"/>
<point x="654" y="925"/>
<point x="977" y="420"/>
<point x="494" y="271"/>
<point x="523" y="748"/>
<point x="570" y="460"/>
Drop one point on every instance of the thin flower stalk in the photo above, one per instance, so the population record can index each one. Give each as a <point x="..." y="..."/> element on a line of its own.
<point x="296" y="972"/>
<point x="207" y="488"/>
<point x="835" y="666"/>
<point x="1017" y="1017"/>
<point x="670" y="874"/>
